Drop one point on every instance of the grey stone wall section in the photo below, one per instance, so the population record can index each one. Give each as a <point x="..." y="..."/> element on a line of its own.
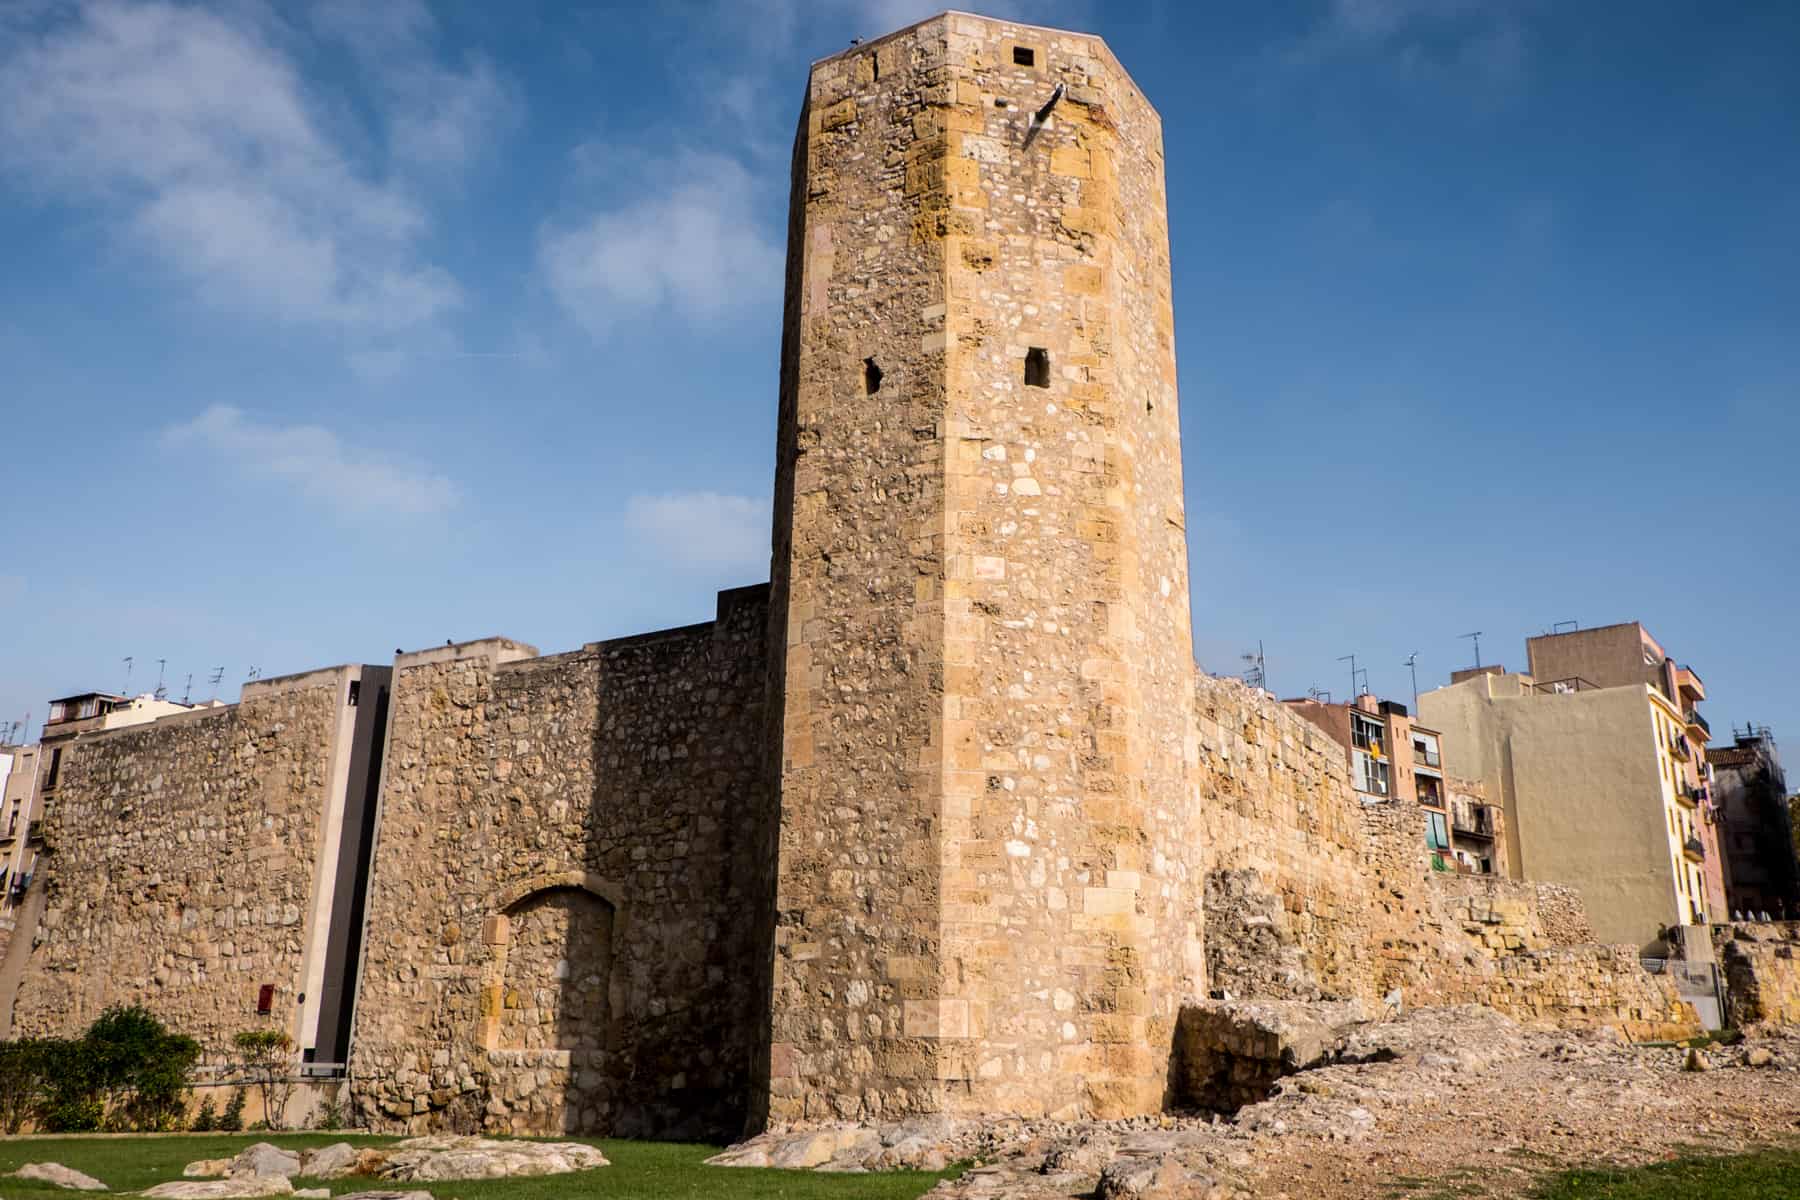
<point x="626" y="777"/>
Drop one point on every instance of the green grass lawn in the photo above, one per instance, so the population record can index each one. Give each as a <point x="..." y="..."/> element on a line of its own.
<point x="1765" y="1175"/>
<point x="646" y="1170"/>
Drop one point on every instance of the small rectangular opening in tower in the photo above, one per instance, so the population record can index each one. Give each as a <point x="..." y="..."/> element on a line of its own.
<point x="871" y="376"/>
<point x="1037" y="367"/>
<point x="1024" y="56"/>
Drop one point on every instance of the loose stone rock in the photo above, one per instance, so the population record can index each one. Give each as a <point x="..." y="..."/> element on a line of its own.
<point x="243" y="1187"/>
<point x="61" y="1176"/>
<point x="265" y="1161"/>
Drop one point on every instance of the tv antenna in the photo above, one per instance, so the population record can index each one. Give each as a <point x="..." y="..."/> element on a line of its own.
<point x="188" y="691"/>
<point x="1319" y="694"/>
<point x="1412" y="664"/>
<point x="255" y="673"/>
<point x="218" y="674"/>
<point x="161" y="692"/>
<point x="1476" y="638"/>
<point x="1255" y="669"/>
<point x="1354" y="673"/>
<point x="128" y="674"/>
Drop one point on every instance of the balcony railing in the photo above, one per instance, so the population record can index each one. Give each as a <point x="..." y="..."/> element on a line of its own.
<point x="1429" y="758"/>
<point x="1694" y="850"/>
<point x="1699" y="722"/>
<point x="1565" y="687"/>
<point x="1689" y="797"/>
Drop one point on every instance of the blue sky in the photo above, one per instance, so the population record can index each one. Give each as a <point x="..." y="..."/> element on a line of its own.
<point x="328" y="330"/>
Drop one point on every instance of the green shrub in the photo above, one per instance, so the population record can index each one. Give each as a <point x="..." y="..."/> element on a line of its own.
<point x="126" y="1072"/>
<point x="23" y="1067"/>
<point x="207" y="1118"/>
<point x="232" y="1120"/>
<point x="330" y="1114"/>
<point x="267" y="1058"/>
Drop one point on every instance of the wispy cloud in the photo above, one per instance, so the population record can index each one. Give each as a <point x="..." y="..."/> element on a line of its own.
<point x="316" y="462"/>
<point x="196" y="130"/>
<point x="690" y="248"/>
<point x="440" y="116"/>
<point x="1479" y="42"/>
<point x="702" y="529"/>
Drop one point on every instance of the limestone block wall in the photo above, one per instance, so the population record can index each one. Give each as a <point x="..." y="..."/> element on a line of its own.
<point x="180" y="864"/>
<point x="1289" y="892"/>
<point x="1761" y="962"/>
<point x="987" y="890"/>
<point x="560" y="921"/>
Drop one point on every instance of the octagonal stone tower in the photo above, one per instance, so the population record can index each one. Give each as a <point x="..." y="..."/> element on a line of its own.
<point x="986" y="892"/>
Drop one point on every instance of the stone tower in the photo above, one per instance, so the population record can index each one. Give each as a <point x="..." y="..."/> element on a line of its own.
<point x="986" y="894"/>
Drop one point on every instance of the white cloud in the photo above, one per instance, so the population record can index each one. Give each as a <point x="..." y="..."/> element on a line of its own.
<point x="315" y="461"/>
<point x="197" y="129"/>
<point x="438" y="116"/>
<point x="703" y="529"/>
<point x="692" y="247"/>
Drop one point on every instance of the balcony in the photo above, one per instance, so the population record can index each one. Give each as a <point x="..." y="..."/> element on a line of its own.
<point x="1688" y="683"/>
<point x="1693" y="850"/>
<point x="1478" y="822"/>
<point x="34" y="832"/>
<point x="1696" y="721"/>
<point x="1426" y="758"/>
<point x="1681" y="748"/>
<point x="1687" y="797"/>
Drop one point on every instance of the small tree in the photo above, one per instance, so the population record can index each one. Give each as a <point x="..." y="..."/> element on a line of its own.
<point x="207" y="1118"/>
<point x="139" y="1069"/>
<point x="232" y="1119"/>
<point x="266" y="1057"/>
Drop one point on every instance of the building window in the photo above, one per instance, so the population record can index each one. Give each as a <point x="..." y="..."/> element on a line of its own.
<point x="58" y="712"/>
<point x="1037" y="367"/>
<point x="54" y="769"/>
<point x="1024" y="56"/>
<point x="1371" y="774"/>
<point x="871" y="377"/>
<point x="1436" y="837"/>
<point x="1365" y="734"/>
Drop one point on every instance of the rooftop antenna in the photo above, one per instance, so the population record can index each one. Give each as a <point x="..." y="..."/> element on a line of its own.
<point x="1319" y="694"/>
<point x="189" y="689"/>
<point x="1412" y="664"/>
<point x="1476" y="636"/>
<point x="1351" y="659"/>
<point x="1255" y="670"/>
<point x="255" y="673"/>
<point x="128" y="674"/>
<point x="218" y="674"/>
<point x="161" y="692"/>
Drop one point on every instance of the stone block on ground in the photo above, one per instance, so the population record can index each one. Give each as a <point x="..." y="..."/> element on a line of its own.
<point x="265" y="1161"/>
<point x="61" y="1176"/>
<point x="451" y="1156"/>
<point x="241" y="1187"/>
<point x="330" y="1162"/>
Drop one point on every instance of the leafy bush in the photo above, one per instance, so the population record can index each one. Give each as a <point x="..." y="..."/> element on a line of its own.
<point x="267" y="1056"/>
<point x="330" y="1114"/>
<point x="22" y="1073"/>
<point x="232" y="1119"/>
<point x="126" y="1072"/>
<point x="207" y="1118"/>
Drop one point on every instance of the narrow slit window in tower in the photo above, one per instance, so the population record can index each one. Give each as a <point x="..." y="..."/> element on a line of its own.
<point x="871" y="376"/>
<point x="1024" y="56"/>
<point x="1037" y="367"/>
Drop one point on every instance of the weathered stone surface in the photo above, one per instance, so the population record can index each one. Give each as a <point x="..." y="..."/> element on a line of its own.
<point x="451" y="1157"/>
<point x="241" y="1187"/>
<point x="264" y="1160"/>
<point x="61" y="1176"/>
<point x="207" y="1168"/>
<point x="330" y="1162"/>
<point x="312" y="1193"/>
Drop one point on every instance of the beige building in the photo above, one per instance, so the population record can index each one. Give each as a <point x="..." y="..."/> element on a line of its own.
<point x="1596" y="778"/>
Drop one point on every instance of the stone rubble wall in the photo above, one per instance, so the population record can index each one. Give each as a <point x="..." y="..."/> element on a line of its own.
<point x="1761" y="962"/>
<point x="559" y="931"/>
<point x="180" y="862"/>
<point x="1444" y="938"/>
<point x="1288" y="892"/>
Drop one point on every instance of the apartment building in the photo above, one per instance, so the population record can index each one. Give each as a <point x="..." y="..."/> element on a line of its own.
<point x="1597" y="766"/>
<point x="1394" y="758"/>
<point x="1755" y="831"/>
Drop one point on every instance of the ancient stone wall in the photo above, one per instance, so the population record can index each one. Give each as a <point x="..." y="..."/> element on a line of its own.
<point x="181" y="858"/>
<point x="559" y="932"/>
<point x="1288" y="891"/>
<point x="1761" y="962"/>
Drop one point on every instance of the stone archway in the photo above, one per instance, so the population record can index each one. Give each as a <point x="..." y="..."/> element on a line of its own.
<point x="547" y="982"/>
